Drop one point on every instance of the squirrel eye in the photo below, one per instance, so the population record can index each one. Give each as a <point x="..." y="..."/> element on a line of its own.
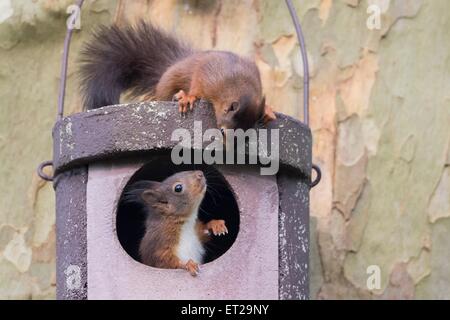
<point x="234" y="106"/>
<point x="178" y="188"/>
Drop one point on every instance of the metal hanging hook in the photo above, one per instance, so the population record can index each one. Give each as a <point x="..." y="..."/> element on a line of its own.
<point x="64" y="64"/>
<point x="41" y="173"/>
<point x="301" y="41"/>
<point x="316" y="181"/>
<point x="62" y="90"/>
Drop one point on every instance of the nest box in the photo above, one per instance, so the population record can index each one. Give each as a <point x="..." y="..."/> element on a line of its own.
<point x="97" y="154"/>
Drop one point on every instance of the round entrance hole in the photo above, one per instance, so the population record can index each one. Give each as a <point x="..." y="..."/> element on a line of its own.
<point x="218" y="203"/>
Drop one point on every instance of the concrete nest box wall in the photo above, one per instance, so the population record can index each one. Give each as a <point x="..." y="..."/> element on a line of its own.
<point x="97" y="154"/>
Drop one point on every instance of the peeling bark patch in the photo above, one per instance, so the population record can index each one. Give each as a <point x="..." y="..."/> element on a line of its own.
<point x="18" y="253"/>
<point x="439" y="206"/>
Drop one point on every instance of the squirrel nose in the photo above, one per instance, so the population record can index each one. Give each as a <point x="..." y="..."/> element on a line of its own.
<point x="199" y="175"/>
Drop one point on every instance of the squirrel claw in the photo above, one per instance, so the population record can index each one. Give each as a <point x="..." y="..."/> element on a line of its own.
<point x="185" y="101"/>
<point x="192" y="267"/>
<point x="218" y="227"/>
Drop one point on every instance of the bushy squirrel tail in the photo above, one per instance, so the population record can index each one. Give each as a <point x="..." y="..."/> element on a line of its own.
<point x="129" y="58"/>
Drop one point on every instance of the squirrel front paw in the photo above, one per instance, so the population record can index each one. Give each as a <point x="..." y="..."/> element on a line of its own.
<point x="185" y="101"/>
<point x="217" y="227"/>
<point x="192" y="267"/>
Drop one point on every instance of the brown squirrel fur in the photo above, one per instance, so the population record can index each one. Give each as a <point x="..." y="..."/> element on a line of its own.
<point x="146" y="61"/>
<point x="174" y="237"/>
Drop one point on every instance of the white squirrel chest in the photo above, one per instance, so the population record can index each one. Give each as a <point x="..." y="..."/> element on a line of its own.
<point x="189" y="244"/>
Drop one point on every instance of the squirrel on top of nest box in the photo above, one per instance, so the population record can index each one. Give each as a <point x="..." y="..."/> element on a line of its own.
<point x="174" y="237"/>
<point x="147" y="62"/>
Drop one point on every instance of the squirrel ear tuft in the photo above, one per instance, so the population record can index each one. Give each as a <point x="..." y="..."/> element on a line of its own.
<point x="153" y="194"/>
<point x="134" y="192"/>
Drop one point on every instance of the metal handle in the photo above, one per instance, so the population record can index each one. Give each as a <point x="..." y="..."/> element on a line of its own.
<point x="64" y="63"/>
<point x="62" y="92"/>
<point x="301" y="41"/>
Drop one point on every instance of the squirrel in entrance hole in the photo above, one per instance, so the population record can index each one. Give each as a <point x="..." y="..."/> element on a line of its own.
<point x="147" y="62"/>
<point x="174" y="238"/>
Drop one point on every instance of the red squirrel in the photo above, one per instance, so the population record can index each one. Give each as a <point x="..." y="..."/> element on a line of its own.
<point x="174" y="238"/>
<point x="145" y="61"/>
